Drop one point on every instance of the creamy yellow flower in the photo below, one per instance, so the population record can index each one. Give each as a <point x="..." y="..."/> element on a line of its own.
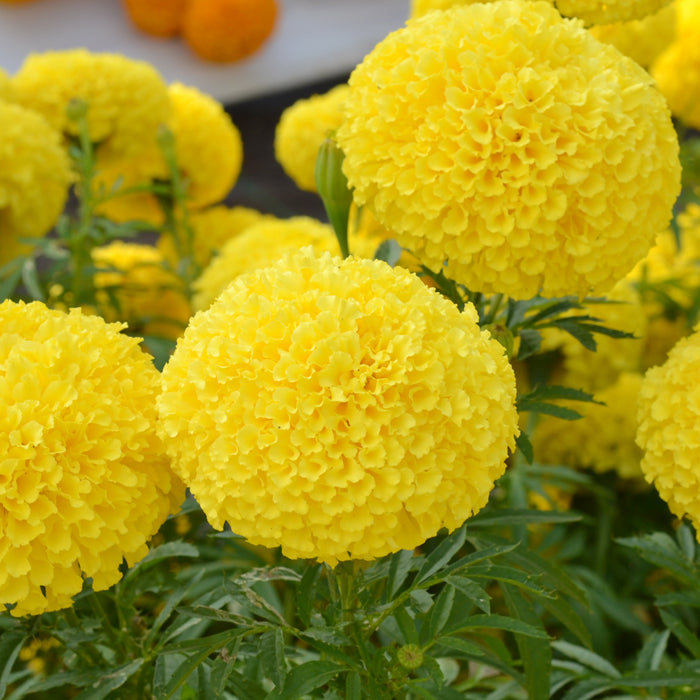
<point x="133" y="286"/>
<point x="260" y="245"/>
<point x="338" y="408"/>
<point x="34" y="178"/>
<point x="510" y="143"/>
<point x="669" y="428"/>
<point x="127" y="99"/>
<point x="597" y="12"/>
<point x="641" y="39"/>
<point x="301" y="130"/>
<point x="84" y="481"/>
<point x="677" y="75"/>
<point x="603" y="439"/>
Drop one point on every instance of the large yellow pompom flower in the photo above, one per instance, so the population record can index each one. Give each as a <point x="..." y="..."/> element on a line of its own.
<point x="127" y="99"/>
<point x="338" y="408"/>
<point x="510" y="143"/>
<point x="669" y="428"/>
<point x="34" y="178"/>
<point x="301" y="130"/>
<point x="84" y="481"/>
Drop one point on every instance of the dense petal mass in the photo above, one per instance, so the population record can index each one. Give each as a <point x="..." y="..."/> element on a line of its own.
<point x="84" y="480"/>
<point x="669" y="428"/>
<point x="338" y="408"/>
<point x="510" y="146"/>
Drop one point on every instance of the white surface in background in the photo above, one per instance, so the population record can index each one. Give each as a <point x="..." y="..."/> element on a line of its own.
<point x="313" y="40"/>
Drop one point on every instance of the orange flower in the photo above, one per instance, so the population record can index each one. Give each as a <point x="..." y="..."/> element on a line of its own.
<point x="156" y="17"/>
<point x="228" y="30"/>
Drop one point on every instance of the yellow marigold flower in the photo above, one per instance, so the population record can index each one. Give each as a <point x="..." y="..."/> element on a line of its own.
<point x="211" y="229"/>
<point x="511" y="146"/>
<point x="688" y="12"/>
<point x="677" y="75"/>
<point x="596" y="12"/>
<point x="127" y="99"/>
<point x="34" y="180"/>
<point x="643" y="40"/>
<point x="260" y="245"/>
<point x="338" y="408"/>
<point x="301" y="130"/>
<point x="133" y="286"/>
<point x="6" y="92"/>
<point x="84" y="480"/>
<point x="603" y="439"/>
<point x="669" y="430"/>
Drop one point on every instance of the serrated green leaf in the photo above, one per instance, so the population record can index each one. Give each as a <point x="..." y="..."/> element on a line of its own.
<point x="306" y="593"/>
<point x="462" y="645"/>
<point x="440" y="613"/>
<point x="244" y="687"/>
<point x="472" y="590"/>
<point x="501" y="622"/>
<point x="353" y="686"/>
<point x="588" y="688"/>
<point x="115" y="678"/>
<point x="306" y="677"/>
<point x="10" y="645"/>
<point x="586" y="657"/>
<point x="530" y="343"/>
<point x="406" y="626"/>
<point x="508" y="574"/>
<point x="550" y="409"/>
<point x="271" y="650"/>
<point x="522" y="442"/>
<point x="650" y="655"/>
<point x="399" y="567"/>
<point x="521" y="516"/>
<point x="665" y="679"/>
<point x="441" y="555"/>
<point x="662" y="551"/>
<point x="679" y="630"/>
<point x="565" y="613"/>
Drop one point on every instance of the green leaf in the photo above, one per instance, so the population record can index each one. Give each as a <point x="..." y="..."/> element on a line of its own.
<point x="535" y="652"/>
<point x="661" y="550"/>
<point x="353" y="686"/>
<point x="462" y="645"/>
<point x="471" y="590"/>
<point x="521" y="516"/>
<point x="10" y="645"/>
<point x="306" y="593"/>
<point x="306" y="677"/>
<point x="389" y="251"/>
<point x="523" y="443"/>
<point x="587" y="658"/>
<point x="406" y="626"/>
<point x="508" y="574"/>
<point x="665" y="679"/>
<point x="652" y="652"/>
<point x="399" y="567"/>
<point x="115" y="678"/>
<point x="687" y="638"/>
<point x="244" y="687"/>
<point x="588" y="688"/>
<point x="441" y="555"/>
<point x="10" y="276"/>
<point x="440" y="613"/>
<point x="565" y="613"/>
<point x="30" y="279"/>
<point x="530" y="343"/>
<point x="212" y="643"/>
<point x="271" y="650"/>
<point x="501" y="622"/>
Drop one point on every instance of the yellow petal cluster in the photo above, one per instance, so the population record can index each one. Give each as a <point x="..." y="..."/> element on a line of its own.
<point x="260" y="245"/>
<point x="127" y="98"/>
<point x="338" y="408"/>
<point x="597" y="12"/>
<point x="669" y="428"/>
<point x="132" y="285"/>
<point x="301" y="130"/>
<point x="34" y="178"/>
<point x="644" y="39"/>
<point x="508" y="147"/>
<point x="84" y="481"/>
<point x="603" y="439"/>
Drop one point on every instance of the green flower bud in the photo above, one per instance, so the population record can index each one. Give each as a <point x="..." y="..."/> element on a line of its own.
<point x="410" y="656"/>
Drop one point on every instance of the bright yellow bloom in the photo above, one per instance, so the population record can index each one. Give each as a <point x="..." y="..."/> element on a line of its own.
<point x="5" y="86"/>
<point x="211" y="229"/>
<point x="84" y="481"/>
<point x="669" y="428"/>
<point x="301" y="130"/>
<point x="133" y="286"/>
<point x="597" y="12"/>
<point x="602" y="439"/>
<point x="510" y="143"/>
<point x="260" y="245"/>
<point x="641" y="39"/>
<point x="127" y="99"/>
<point x="338" y="408"/>
<point x="34" y="178"/>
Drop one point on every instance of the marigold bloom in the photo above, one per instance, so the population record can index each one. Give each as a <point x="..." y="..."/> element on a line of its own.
<point x="338" y="408"/>
<point x="127" y="99"/>
<point x="228" y="30"/>
<point x="84" y="481"/>
<point x="156" y="17"/>
<point x="301" y="130"/>
<point x="511" y="146"/>
<point x="259" y="245"/>
<point x="603" y="439"/>
<point x="669" y="429"/>
<point x="596" y="12"/>
<point x="133" y="286"/>
<point x="34" y="178"/>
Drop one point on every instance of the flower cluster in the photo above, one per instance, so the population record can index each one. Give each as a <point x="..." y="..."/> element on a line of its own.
<point x="85" y="482"/>
<point x="509" y="148"/>
<point x="338" y="408"/>
<point x="669" y="428"/>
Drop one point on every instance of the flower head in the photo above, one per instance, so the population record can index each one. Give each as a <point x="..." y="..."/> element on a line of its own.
<point x="510" y="146"/>
<point x="302" y="129"/>
<point x="84" y="482"/>
<point x="596" y="12"/>
<point x="669" y="429"/>
<point x="338" y="408"/>
<point x="157" y="17"/>
<point x="34" y="179"/>
<point x="127" y="99"/>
